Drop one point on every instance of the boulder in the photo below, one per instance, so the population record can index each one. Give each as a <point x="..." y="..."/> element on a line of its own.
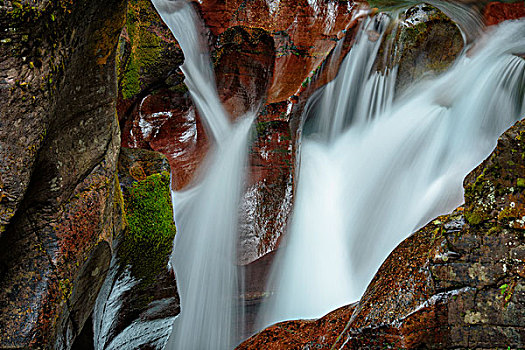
<point x="424" y="42"/>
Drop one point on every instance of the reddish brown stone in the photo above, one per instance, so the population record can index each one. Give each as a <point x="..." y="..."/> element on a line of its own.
<point x="303" y="34"/>
<point x="244" y="60"/>
<point x="166" y="122"/>
<point x="496" y="12"/>
<point x="315" y="334"/>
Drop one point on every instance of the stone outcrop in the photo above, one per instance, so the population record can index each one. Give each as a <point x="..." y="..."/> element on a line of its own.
<point x="309" y="334"/>
<point x="496" y="12"/>
<point x="59" y="141"/>
<point x="262" y="56"/>
<point x="138" y="302"/>
<point x="456" y="283"/>
<point x="425" y="41"/>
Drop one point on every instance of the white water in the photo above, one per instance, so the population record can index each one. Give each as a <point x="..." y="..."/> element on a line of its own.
<point x="206" y="214"/>
<point x="372" y="171"/>
<point x="366" y="183"/>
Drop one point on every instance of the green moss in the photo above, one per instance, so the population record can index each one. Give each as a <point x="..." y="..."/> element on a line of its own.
<point x="144" y="51"/>
<point x="66" y="287"/>
<point x="130" y="81"/>
<point x="494" y="230"/>
<point x="506" y="291"/>
<point x="146" y="245"/>
<point x="508" y="213"/>
<point x="521" y="182"/>
<point x="475" y="217"/>
<point x="181" y="88"/>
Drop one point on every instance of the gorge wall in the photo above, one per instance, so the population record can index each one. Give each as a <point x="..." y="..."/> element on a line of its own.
<point x="60" y="201"/>
<point x="72" y="82"/>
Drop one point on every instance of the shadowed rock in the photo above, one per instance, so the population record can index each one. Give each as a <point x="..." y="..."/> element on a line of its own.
<point x="59" y="143"/>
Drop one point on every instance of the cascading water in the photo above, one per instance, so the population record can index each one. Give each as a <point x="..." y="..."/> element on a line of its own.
<point x="364" y="184"/>
<point x="372" y="170"/>
<point x="206" y="214"/>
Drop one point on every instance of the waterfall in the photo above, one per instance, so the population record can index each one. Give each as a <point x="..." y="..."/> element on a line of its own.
<point x="373" y="170"/>
<point x="206" y="214"/>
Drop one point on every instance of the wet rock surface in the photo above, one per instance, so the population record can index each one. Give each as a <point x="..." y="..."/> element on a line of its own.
<point x="262" y="67"/>
<point x="456" y="283"/>
<point x="139" y="301"/>
<point x="59" y="143"/>
<point x="148" y="58"/>
<point x="310" y="334"/>
<point x="304" y="34"/>
<point x="425" y="42"/>
<point x="496" y="12"/>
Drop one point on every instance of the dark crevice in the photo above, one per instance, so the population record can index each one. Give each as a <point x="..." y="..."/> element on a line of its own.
<point x="85" y="339"/>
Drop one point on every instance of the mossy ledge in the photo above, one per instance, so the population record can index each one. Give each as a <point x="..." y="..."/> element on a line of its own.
<point x="146" y="245"/>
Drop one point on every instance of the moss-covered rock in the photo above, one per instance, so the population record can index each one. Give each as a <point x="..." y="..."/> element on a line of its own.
<point x="494" y="192"/>
<point x="148" y="55"/>
<point x="151" y="229"/>
<point x="424" y="41"/>
<point x="139" y="278"/>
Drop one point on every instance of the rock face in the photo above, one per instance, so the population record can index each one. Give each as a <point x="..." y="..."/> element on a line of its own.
<point x="262" y="55"/>
<point x="267" y="57"/>
<point x="138" y="301"/>
<point x="456" y="283"/>
<point x="59" y="142"/>
<point x="271" y="57"/>
<point x="313" y="334"/>
<point x="425" y="41"/>
<point x="496" y="12"/>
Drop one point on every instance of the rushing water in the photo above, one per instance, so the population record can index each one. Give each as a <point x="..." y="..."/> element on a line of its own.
<point x="369" y="179"/>
<point x="372" y="170"/>
<point x="206" y="214"/>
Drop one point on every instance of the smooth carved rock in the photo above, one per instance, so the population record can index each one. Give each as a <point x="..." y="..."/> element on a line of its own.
<point x="304" y="34"/>
<point x="59" y="142"/>
<point x="496" y="12"/>
<point x="425" y="41"/>
<point x="138" y="302"/>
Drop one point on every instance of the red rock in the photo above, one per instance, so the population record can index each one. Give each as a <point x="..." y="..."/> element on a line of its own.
<point x="315" y="334"/>
<point x="244" y="62"/>
<point x="496" y="12"/>
<point x="304" y="34"/>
